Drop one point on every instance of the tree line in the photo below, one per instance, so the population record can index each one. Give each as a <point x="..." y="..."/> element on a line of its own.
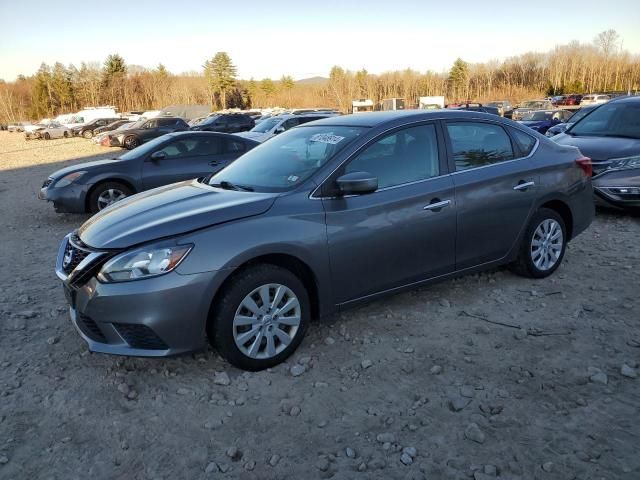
<point x="602" y="65"/>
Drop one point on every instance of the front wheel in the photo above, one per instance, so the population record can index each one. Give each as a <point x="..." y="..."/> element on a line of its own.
<point x="543" y="245"/>
<point x="131" y="142"/>
<point x="260" y="318"/>
<point x="66" y="134"/>
<point x="47" y="136"/>
<point x="87" y="133"/>
<point x="106" y="194"/>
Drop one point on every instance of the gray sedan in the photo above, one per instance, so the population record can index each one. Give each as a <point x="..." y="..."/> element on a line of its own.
<point x="321" y="218"/>
<point x="92" y="186"/>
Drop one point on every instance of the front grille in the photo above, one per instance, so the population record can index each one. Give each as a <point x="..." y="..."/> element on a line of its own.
<point x="140" y="336"/>
<point x="91" y="329"/>
<point x="47" y="182"/>
<point x="73" y="256"/>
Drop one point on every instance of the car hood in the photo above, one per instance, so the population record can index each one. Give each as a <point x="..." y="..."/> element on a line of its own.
<point x="601" y="148"/>
<point x="82" y="166"/>
<point x="168" y="211"/>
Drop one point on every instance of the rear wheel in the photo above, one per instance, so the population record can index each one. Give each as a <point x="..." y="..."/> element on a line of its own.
<point x="260" y="318"/>
<point x="47" y="136"/>
<point x="66" y="134"/>
<point x="107" y="193"/>
<point x="87" y="133"/>
<point x="131" y="142"/>
<point x="543" y="245"/>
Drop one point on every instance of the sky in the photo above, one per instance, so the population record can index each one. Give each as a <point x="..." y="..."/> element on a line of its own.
<point x="271" y="38"/>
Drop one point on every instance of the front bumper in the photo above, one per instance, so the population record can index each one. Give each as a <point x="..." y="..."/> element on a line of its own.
<point x="69" y="199"/>
<point x="618" y="188"/>
<point x="154" y="317"/>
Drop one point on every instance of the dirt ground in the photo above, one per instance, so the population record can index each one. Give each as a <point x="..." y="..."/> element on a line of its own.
<point x="431" y="384"/>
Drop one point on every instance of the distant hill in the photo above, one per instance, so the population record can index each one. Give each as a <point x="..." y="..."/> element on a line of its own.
<point x="310" y="80"/>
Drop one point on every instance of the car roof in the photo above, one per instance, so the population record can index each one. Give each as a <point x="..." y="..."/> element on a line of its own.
<point x="201" y="133"/>
<point x="625" y="99"/>
<point x="373" y="119"/>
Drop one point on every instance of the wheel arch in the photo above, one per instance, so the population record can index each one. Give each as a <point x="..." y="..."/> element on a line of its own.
<point x="561" y="208"/>
<point x="287" y="261"/>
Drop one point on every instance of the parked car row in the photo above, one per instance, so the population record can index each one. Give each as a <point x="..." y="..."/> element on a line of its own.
<point x="583" y="100"/>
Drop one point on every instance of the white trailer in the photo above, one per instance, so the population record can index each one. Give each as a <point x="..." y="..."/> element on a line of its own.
<point x="425" y="103"/>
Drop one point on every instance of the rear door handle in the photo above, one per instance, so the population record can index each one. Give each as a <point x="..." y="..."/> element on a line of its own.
<point x="437" y="205"/>
<point x="523" y="185"/>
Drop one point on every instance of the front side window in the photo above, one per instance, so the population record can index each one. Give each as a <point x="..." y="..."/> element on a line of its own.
<point x="193" y="147"/>
<point x="405" y="156"/>
<point x="288" y="159"/>
<point x="477" y="144"/>
<point x="266" y="125"/>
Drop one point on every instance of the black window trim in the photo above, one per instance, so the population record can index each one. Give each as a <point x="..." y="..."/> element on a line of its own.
<point x="325" y="190"/>
<point x="514" y="145"/>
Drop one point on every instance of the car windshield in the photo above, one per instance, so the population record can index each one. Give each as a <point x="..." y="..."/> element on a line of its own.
<point x="209" y="120"/>
<point x="266" y="125"/>
<point x="579" y="114"/>
<point x="144" y="149"/>
<point x="533" y="104"/>
<point x="617" y="119"/>
<point x="286" y="160"/>
<point x="537" y="116"/>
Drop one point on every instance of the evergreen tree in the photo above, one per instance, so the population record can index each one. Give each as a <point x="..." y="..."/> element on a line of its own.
<point x="458" y="78"/>
<point x="221" y="75"/>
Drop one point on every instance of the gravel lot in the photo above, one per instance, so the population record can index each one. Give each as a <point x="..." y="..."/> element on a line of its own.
<point x="487" y="375"/>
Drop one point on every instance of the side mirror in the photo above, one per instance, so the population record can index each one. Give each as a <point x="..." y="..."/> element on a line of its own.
<point x="357" y="183"/>
<point x="159" y="155"/>
<point x="278" y="130"/>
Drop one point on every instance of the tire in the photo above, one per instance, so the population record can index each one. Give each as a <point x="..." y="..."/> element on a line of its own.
<point x="87" y="133"/>
<point x="534" y="259"/>
<point x="101" y="193"/>
<point x="65" y="134"/>
<point x="47" y="136"/>
<point x="131" y="142"/>
<point x="223" y="335"/>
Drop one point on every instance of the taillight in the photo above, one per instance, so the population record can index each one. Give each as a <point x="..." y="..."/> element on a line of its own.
<point x="585" y="164"/>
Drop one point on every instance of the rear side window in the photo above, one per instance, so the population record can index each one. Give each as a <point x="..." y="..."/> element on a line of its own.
<point x="477" y="144"/>
<point x="405" y="156"/>
<point x="525" y="142"/>
<point x="233" y="146"/>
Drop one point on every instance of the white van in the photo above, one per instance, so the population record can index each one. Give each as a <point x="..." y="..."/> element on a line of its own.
<point x="91" y="113"/>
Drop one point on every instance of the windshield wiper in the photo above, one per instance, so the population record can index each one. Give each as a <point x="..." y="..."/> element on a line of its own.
<point x="231" y="186"/>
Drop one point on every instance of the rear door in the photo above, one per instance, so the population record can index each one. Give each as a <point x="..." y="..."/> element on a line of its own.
<point x="405" y="231"/>
<point x="494" y="187"/>
<point x="185" y="158"/>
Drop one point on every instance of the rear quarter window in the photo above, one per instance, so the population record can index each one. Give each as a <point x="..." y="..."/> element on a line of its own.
<point x="524" y="141"/>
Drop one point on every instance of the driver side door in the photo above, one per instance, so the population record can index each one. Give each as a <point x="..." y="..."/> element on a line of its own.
<point x="186" y="158"/>
<point x="405" y="231"/>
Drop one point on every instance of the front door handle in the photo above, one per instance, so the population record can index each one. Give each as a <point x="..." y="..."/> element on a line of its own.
<point x="523" y="185"/>
<point x="436" y="205"/>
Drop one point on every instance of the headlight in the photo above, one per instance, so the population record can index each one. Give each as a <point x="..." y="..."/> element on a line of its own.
<point x="68" y="179"/>
<point x="120" y="137"/>
<point x="144" y="262"/>
<point x="625" y="163"/>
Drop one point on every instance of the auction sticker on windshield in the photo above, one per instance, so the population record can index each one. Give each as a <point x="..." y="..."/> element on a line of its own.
<point x="326" y="138"/>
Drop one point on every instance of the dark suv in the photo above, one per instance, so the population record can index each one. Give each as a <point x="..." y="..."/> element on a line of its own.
<point x="88" y="129"/>
<point x="226" y="123"/>
<point x="152" y="128"/>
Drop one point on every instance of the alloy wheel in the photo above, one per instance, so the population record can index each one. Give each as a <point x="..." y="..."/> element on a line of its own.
<point x="546" y="244"/>
<point x="266" y="321"/>
<point x="110" y="196"/>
